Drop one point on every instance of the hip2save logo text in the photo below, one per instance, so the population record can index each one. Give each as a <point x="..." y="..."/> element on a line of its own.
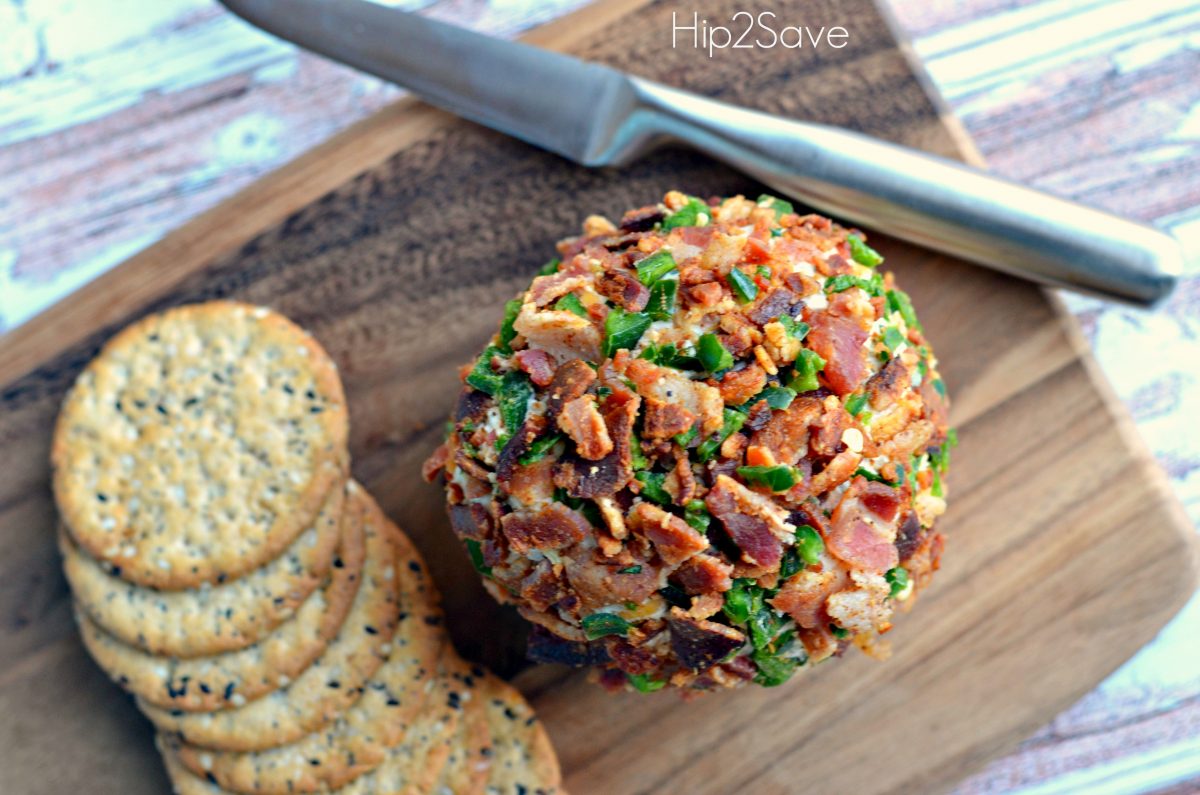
<point x="746" y="31"/>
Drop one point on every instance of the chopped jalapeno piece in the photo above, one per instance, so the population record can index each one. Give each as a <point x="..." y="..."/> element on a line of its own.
<point x="797" y="328"/>
<point x="808" y="364"/>
<point x="507" y="332"/>
<point x="644" y="684"/>
<point x="538" y="450"/>
<point x="661" y="305"/>
<point x="696" y="514"/>
<point x="776" y="478"/>
<point x="789" y="565"/>
<point x="654" y="267"/>
<point x="688" y="436"/>
<point x="571" y="303"/>
<point x="869" y="475"/>
<point x="844" y="281"/>
<point x="898" y="301"/>
<point x="773" y="670"/>
<point x="733" y="422"/>
<point x="898" y="579"/>
<point x="482" y="376"/>
<point x="743" y="286"/>
<point x="763" y="271"/>
<point x="809" y="544"/>
<point x="694" y="213"/>
<point x="777" y="397"/>
<point x="476" y="552"/>
<point x="550" y="267"/>
<point x="838" y="632"/>
<point x="513" y="397"/>
<point x="742" y="601"/>
<point x="623" y="330"/>
<point x="855" y="403"/>
<point x="631" y="570"/>
<point x="861" y="253"/>
<point x="780" y="206"/>
<point x="652" y="487"/>
<point x="712" y="354"/>
<point x="893" y="339"/>
<point x="599" y="625"/>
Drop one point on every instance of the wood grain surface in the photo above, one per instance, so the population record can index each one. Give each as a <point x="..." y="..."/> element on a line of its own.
<point x="395" y="243"/>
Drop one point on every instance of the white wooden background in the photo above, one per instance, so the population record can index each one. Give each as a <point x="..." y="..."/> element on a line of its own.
<point x="121" y="119"/>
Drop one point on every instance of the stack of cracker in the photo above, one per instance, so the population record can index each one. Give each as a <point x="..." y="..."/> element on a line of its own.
<point x="277" y="629"/>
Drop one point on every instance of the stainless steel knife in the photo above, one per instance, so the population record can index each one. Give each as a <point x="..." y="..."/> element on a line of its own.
<point x="598" y="116"/>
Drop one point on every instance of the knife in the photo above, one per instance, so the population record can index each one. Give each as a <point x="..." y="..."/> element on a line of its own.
<point x="598" y="116"/>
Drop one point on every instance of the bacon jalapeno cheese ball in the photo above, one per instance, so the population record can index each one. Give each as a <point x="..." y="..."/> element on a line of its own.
<point x="706" y="447"/>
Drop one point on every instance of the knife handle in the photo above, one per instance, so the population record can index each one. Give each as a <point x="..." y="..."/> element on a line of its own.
<point x="915" y="196"/>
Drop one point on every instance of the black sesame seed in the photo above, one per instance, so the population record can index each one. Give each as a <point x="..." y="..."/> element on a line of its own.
<point x="371" y="630"/>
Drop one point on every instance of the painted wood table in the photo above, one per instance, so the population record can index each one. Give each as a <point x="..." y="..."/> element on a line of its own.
<point x="100" y="155"/>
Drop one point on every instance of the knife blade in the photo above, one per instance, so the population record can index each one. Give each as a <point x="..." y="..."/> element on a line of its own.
<point x="597" y="116"/>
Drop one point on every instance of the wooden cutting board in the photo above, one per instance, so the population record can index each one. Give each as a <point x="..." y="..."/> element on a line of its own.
<point x="396" y="242"/>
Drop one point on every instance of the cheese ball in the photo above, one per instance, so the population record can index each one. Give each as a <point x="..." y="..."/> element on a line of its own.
<point x="707" y="447"/>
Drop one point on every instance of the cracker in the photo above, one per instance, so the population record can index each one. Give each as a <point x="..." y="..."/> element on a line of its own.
<point x="413" y="765"/>
<point x="199" y="444"/>
<point x="203" y="684"/>
<point x="211" y="619"/>
<point x="469" y="763"/>
<point x="358" y="740"/>
<point x="523" y="761"/>
<point x="410" y="767"/>
<point x="332" y="683"/>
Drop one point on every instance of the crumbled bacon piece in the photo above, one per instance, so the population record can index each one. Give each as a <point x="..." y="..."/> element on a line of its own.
<point x="673" y="539"/>
<point x="543" y="646"/>
<point x="624" y="289"/>
<point x="537" y="364"/>
<point x="738" y="386"/>
<point x="554" y="526"/>
<point x="706" y="295"/>
<point x="786" y="434"/>
<point x="889" y="384"/>
<point x="641" y="219"/>
<point x="700" y="644"/>
<point x="749" y="531"/>
<point x="471" y="520"/>
<point x="803" y="596"/>
<point x="862" y="529"/>
<point x="631" y="659"/>
<point x="572" y="380"/>
<point x="839" y="338"/>
<point x="436" y="462"/>
<point x="581" y="420"/>
<point x="779" y="301"/>
<point x="704" y="574"/>
<point x="542" y="587"/>
<point x="663" y="420"/>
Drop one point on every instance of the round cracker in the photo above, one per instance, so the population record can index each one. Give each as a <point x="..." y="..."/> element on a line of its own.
<point x="413" y="765"/>
<point x="211" y="619"/>
<point x="410" y="767"/>
<point x="332" y="683"/>
<point x="358" y="740"/>
<point x="199" y="444"/>
<point x="523" y="760"/>
<point x="469" y="763"/>
<point x="204" y="684"/>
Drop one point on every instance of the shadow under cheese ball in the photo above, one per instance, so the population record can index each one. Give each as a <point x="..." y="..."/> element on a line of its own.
<point x="706" y="447"/>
